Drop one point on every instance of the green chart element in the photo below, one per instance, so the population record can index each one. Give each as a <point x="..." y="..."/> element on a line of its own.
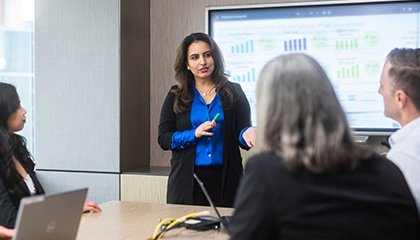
<point x="343" y="45"/>
<point x="372" y="39"/>
<point x="320" y="40"/>
<point x="267" y="42"/>
<point x="373" y="68"/>
<point x="351" y="72"/>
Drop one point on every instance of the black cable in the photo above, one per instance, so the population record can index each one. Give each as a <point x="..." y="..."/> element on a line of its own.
<point x="386" y="144"/>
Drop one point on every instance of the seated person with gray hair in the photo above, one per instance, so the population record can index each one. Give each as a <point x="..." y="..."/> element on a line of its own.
<point x="310" y="180"/>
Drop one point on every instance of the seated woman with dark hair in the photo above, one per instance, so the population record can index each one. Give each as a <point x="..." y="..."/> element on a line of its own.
<point x="310" y="180"/>
<point x="17" y="175"/>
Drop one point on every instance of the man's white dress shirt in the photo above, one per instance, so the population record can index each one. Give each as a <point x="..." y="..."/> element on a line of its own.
<point x="405" y="153"/>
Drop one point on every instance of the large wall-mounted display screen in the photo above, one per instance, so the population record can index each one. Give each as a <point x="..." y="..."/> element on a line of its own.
<point x="349" y="39"/>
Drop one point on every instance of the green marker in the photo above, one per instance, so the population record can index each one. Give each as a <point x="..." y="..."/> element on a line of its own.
<point x="216" y="117"/>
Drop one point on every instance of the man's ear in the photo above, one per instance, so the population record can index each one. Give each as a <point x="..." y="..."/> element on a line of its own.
<point x="401" y="98"/>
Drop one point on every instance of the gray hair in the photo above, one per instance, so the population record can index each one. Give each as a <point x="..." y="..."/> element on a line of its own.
<point x="300" y="118"/>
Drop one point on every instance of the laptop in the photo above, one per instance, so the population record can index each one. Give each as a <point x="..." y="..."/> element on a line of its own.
<point x="225" y="220"/>
<point x="50" y="217"/>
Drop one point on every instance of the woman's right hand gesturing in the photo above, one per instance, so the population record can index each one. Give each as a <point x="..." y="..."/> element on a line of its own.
<point x="203" y="129"/>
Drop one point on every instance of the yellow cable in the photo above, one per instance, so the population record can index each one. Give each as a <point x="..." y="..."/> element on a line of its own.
<point x="204" y="213"/>
<point x="160" y="225"/>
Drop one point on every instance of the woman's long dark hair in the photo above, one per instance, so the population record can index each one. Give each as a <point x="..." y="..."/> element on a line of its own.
<point x="185" y="79"/>
<point x="11" y="144"/>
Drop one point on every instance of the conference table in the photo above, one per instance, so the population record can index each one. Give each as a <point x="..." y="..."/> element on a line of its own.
<point x="137" y="220"/>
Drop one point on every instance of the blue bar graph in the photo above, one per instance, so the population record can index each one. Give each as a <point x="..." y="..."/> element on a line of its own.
<point x="247" y="47"/>
<point x="295" y="45"/>
<point x="249" y="77"/>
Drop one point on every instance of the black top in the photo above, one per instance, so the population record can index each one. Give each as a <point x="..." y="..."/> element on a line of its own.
<point x="181" y="181"/>
<point x="9" y="204"/>
<point x="371" y="202"/>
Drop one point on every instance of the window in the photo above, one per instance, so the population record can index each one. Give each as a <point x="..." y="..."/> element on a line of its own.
<point x="17" y="55"/>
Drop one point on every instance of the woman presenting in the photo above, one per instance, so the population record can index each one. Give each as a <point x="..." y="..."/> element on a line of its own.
<point x="204" y="119"/>
<point x="17" y="175"/>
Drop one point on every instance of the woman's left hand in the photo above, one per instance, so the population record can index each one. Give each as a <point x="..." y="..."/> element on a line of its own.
<point x="249" y="136"/>
<point x="91" y="206"/>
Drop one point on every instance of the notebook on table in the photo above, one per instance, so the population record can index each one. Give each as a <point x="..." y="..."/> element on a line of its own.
<point x="50" y="217"/>
<point x="225" y="220"/>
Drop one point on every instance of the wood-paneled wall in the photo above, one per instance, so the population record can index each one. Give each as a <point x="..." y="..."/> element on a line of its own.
<point x="143" y="188"/>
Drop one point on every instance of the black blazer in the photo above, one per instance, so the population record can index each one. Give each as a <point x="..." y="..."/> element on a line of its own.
<point x="181" y="181"/>
<point x="371" y="202"/>
<point x="9" y="204"/>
